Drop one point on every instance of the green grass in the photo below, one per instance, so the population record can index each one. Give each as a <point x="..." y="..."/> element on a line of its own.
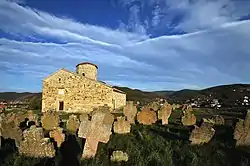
<point x="148" y="145"/>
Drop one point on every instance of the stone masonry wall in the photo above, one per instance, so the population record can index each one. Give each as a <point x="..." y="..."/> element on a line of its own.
<point x="80" y="94"/>
<point x="120" y="99"/>
<point x="90" y="71"/>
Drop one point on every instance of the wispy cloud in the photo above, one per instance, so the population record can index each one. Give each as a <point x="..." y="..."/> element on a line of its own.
<point x="215" y="55"/>
<point x="183" y="15"/>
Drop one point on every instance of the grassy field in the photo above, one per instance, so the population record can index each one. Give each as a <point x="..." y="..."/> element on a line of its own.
<point x="150" y="145"/>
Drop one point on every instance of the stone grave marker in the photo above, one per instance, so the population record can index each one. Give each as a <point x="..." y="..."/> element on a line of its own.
<point x="122" y="126"/>
<point x="35" y="145"/>
<point x="146" y="116"/>
<point x="242" y="131"/>
<point x="164" y="113"/>
<point x="73" y="123"/>
<point x="188" y="118"/>
<point x="202" y="134"/>
<point x="58" y="136"/>
<point x="130" y="111"/>
<point x="98" y="129"/>
<point x="119" y="156"/>
<point x="50" y="120"/>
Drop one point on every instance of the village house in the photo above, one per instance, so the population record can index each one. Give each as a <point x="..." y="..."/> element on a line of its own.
<point x="79" y="92"/>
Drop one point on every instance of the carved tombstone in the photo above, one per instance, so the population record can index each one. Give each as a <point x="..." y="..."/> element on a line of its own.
<point x="32" y="117"/>
<point x="242" y="131"/>
<point x="119" y="156"/>
<point x="155" y="106"/>
<point x="146" y="116"/>
<point x="218" y="120"/>
<point x="189" y="118"/>
<point x="98" y="129"/>
<point x="50" y="120"/>
<point x="72" y="123"/>
<point x="35" y="145"/>
<point x="202" y="134"/>
<point x="121" y="126"/>
<point x="164" y="113"/>
<point x="84" y="117"/>
<point x="130" y="111"/>
<point x="58" y="136"/>
<point x="9" y="128"/>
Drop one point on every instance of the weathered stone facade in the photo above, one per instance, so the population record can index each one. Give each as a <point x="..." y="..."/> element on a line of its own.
<point x="71" y="92"/>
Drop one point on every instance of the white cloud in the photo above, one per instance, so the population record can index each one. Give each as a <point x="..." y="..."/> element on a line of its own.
<point x="219" y="55"/>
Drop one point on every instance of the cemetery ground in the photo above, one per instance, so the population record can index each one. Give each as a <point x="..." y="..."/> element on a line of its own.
<point x="148" y="145"/>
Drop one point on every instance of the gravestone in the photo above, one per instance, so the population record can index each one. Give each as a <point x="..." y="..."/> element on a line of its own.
<point x="188" y="118"/>
<point x="121" y="126"/>
<point x="84" y="117"/>
<point x="32" y="117"/>
<point x="50" y="120"/>
<point x="98" y="129"/>
<point x="155" y="106"/>
<point x="242" y="131"/>
<point x="58" y="136"/>
<point x="202" y="134"/>
<point x="73" y="123"/>
<point x="146" y="116"/>
<point x="35" y="145"/>
<point x="119" y="156"/>
<point x="130" y="111"/>
<point x="164" y="113"/>
<point x="218" y="120"/>
<point x="9" y="128"/>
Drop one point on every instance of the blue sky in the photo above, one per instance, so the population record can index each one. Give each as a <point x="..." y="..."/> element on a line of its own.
<point x="143" y="44"/>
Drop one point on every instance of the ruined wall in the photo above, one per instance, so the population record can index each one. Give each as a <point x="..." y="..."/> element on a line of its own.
<point x="78" y="93"/>
<point x="119" y="99"/>
<point x="90" y="71"/>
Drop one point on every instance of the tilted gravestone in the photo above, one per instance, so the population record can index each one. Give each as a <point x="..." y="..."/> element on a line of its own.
<point x="9" y="128"/>
<point x="73" y="123"/>
<point x="130" y="111"/>
<point x="121" y="126"/>
<point x="35" y="145"/>
<point x="202" y="134"/>
<point x="50" y="120"/>
<point x="189" y="118"/>
<point x="242" y="131"/>
<point x="98" y="129"/>
<point x="164" y="113"/>
<point x="58" y="135"/>
<point x="146" y="116"/>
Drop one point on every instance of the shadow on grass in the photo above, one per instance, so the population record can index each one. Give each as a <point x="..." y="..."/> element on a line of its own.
<point x="69" y="151"/>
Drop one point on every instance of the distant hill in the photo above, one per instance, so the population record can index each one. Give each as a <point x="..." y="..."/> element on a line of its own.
<point x="227" y="94"/>
<point x="138" y="95"/>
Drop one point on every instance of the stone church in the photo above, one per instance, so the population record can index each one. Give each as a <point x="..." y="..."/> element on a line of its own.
<point x="79" y="92"/>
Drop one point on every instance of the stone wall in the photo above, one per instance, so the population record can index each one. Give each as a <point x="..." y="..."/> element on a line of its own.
<point x="119" y="99"/>
<point x="79" y="94"/>
<point x="90" y="71"/>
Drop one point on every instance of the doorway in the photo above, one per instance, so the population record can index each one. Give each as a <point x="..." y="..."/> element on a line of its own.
<point x="61" y="105"/>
